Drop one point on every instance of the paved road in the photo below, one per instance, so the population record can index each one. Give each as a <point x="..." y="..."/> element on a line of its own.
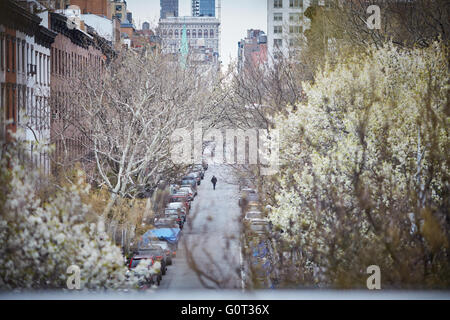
<point x="210" y="237"/>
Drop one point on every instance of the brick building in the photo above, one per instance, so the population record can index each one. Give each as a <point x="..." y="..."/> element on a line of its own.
<point x="72" y="50"/>
<point x="24" y="75"/>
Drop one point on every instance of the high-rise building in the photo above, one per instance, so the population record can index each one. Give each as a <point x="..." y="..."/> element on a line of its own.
<point x="203" y="8"/>
<point x="202" y="35"/>
<point x="286" y="23"/>
<point x="169" y="8"/>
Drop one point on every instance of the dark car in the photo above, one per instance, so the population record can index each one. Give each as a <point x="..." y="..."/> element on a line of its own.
<point x="170" y="253"/>
<point x="168" y="222"/>
<point x="156" y="253"/>
<point x="195" y="175"/>
<point x="199" y="169"/>
<point x="154" y="278"/>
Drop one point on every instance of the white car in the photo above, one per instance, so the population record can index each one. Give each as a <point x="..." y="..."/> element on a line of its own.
<point x="188" y="190"/>
<point x="259" y="226"/>
<point x="252" y="215"/>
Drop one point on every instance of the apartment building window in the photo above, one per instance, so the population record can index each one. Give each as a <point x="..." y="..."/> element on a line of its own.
<point x="278" y="43"/>
<point x="200" y="33"/>
<point x="13" y="58"/>
<point x="24" y="66"/>
<point x="211" y="33"/>
<point x="277" y="29"/>
<point x="205" y="33"/>
<point x="194" y="33"/>
<point x="176" y="33"/>
<point x="295" y="3"/>
<point x="2" y="110"/>
<point x="7" y="53"/>
<point x="295" y="29"/>
<point x="294" y="18"/>
<point x="278" y="17"/>
<point x="40" y="68"/>
<point x="2" y="55"/>
<point x="278" y="3"/>
<point x="14" y="105"/>
<point x="188" y="33"/>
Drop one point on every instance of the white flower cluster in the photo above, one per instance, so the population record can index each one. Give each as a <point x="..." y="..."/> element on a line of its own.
<point x="352" y="148"/>
<point x="39" y="241"/>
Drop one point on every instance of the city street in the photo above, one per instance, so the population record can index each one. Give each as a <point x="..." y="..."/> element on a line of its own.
<point x="211" y="235"/>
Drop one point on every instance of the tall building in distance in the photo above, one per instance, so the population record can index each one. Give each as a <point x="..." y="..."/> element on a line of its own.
<point x="169" y="8"/>
<point x="203" y="8"/>
<point x="202" y="35"/>
<point x="286" y="23"/>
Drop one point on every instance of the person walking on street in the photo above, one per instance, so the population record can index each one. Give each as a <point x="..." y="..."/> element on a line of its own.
<point x="214" y="181"/>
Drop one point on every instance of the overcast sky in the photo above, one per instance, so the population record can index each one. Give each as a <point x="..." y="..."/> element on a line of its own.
<point x="237" y="17"/>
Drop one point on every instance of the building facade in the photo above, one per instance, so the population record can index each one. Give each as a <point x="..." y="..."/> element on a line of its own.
<point x="203" y="8"/>
<point x="73" y="50"/>
<point x="202" y="36"/>
<point x="252" y="51"/>
<point x="169" y="8"/>
<point x="286" y="23"/>
<point x="25" y="43"/>
<point x="101" y="8"/>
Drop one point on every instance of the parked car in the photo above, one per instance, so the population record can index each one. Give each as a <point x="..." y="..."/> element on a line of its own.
<point x="150" y="278"/>
<point x="183" y="198"/>
<point x="156" y="253"/>
<point x="188" y="194"/>
<point x="199" y="168"/>
<point x="168" y="222"/>
<point x="205" y="165"/>
<point x="259" y="227"/>
<point x="190" y="189"/>
<point x="252" y="215"/>
<point x="169" y="235"/>
<point x="248" y="197"/>
<point x="195" y="175"/>
<point x="176" y="212"/>
<point x="189" y="181"/>
<point x="166" y="247"/>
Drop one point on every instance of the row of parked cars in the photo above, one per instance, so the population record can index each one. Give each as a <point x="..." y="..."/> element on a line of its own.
<point x="254" y="220"/>
<point x="158" y="246"/>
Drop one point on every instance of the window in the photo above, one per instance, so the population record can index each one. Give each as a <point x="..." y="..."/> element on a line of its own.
<point x="170" y="33"/>
<point x="277" y="29"/>
<point x="13" y="57"/>
<point x="211" y="33"/>
<point x="294" y="29"/>
<point x="7" y="54"/>
<point x="23" y="58"/>
<point x="188" y="33"/>
<point x="278" y="43"/>
<point x="277" y="17"/>
<point x="194" y="33"/>
<point x="176" y="33"/>
<point x="2" y="39"/>
<point x="200" y="35"/>
<point x="205" y="33"/>
<point x="294" y="17"/>
<point x="295" y="3"/>
<point x="278" y="3"/>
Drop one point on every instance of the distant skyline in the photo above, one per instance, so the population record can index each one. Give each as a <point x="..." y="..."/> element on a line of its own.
<point x="237" y="17"/>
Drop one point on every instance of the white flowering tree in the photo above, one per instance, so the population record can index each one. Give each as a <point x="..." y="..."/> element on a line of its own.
<point x="365" y="172"/>
<point x="40" y="240"/>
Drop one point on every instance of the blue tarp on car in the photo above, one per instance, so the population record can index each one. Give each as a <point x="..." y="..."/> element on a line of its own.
<point x="171" y="235"/>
